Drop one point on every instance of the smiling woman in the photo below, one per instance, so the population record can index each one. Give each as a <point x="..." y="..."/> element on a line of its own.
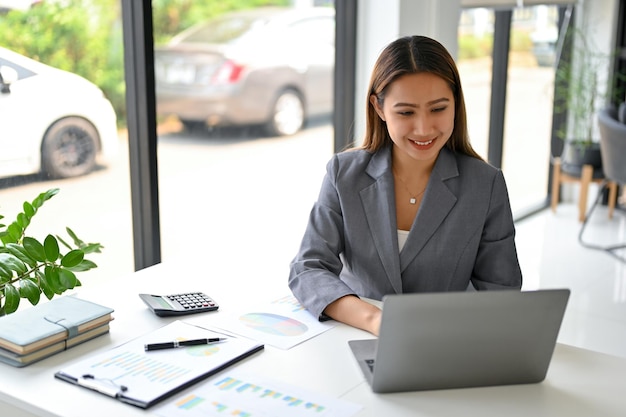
<point x="394" y="212"/>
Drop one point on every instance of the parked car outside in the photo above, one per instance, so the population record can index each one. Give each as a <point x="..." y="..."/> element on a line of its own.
<point x="266" y="66"/>
<point x="51" y="121"/>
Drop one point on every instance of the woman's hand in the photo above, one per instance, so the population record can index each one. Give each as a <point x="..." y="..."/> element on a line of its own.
<point x="355" y="312"/>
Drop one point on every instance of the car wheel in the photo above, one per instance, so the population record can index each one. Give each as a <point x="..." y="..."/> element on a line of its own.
<point x="69" y="148"/>
<point x="287" y="116"/>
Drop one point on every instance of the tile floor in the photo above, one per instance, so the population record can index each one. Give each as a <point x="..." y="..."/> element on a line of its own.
<point x="552" y="257"/>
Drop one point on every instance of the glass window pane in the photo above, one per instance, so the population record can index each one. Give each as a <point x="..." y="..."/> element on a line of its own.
<point x="475" y="67"/>
<point x="528" y="118"/>
<point x="62" y="127"/>
<point x="245" y="129"/>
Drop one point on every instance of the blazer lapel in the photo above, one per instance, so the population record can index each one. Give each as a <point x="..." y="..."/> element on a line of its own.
<point x="437" y="202"/>
<point x="380" y="208"/>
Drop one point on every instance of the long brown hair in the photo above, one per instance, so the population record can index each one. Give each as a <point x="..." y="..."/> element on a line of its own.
<point x="411" y="55"/>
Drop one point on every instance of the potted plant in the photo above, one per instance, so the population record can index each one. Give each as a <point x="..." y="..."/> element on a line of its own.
<point x="579" y="91"/>
<point x="29" y="267"/>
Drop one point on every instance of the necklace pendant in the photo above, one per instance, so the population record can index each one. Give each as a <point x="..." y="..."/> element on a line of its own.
<point x="412" y="200"/>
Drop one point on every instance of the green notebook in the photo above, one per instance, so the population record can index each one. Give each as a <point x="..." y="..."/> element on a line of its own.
<point x="40" y="326"/>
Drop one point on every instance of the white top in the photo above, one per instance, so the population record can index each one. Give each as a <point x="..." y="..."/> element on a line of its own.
<point x="402" y="236"/>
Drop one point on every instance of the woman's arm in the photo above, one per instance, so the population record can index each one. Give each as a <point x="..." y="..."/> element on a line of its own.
<point x="497" y="265"/>
<point x="355" y="312"/>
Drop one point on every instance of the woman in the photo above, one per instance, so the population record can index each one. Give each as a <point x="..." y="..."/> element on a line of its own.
<point x="415" y="208"/>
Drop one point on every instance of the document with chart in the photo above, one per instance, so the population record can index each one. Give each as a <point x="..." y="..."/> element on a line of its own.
<point x="131" y="374"/>
<point x="282" y="323"/>
<point x="236" y="393"/>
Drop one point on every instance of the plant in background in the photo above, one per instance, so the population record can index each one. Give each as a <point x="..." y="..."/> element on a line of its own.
<point x="583" y="85"/>
<point x="581" y="88"/>
<point x="578" y="90"/>
<point x="29" y="267"/>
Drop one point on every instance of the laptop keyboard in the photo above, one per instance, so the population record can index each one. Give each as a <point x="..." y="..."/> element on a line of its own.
<point x="370" y="364"/>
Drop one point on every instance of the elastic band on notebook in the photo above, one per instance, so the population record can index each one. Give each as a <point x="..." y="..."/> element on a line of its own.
<point x="72" y="330"/>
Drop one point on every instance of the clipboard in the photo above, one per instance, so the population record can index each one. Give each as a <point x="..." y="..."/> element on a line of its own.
<point x="132" y="375"/>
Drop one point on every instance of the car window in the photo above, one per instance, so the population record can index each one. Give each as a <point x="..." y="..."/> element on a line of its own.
<point x="318" y="30"/>
<point x="21" y="71"/>
<point x="222" y="30"/>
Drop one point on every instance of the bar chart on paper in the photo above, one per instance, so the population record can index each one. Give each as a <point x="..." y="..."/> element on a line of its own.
<point x="243" y="395"/>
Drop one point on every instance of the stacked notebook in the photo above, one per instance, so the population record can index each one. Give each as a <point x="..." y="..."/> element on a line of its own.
<point x="35" y="333"/>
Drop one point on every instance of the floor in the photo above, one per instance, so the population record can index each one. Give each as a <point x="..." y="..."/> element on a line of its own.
<point x="551" y="256"/>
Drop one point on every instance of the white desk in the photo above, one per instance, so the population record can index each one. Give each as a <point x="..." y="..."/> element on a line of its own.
<point x="579" y="382"/>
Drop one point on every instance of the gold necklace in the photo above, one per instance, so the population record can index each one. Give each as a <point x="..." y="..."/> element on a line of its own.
<point x="413" y="199"/>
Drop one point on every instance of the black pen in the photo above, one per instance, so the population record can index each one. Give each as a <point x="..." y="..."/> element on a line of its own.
<point x="182" y="343"/>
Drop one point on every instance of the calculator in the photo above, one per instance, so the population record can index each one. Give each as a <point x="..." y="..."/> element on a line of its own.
<point x="179" y="304"/>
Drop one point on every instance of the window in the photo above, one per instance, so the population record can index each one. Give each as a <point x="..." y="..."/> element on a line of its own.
<point x="528" y="109"/>
<point x="242" y="153"/>
<point x="66" y="106"/>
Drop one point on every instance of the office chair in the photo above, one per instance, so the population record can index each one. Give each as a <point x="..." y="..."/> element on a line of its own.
<point x="613" y="153"/>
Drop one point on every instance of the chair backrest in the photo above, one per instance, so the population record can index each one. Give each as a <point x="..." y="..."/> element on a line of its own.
<point x="612" y="145"/>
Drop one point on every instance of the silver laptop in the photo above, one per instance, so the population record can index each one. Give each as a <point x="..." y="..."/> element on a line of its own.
<point x="434" y="341"/>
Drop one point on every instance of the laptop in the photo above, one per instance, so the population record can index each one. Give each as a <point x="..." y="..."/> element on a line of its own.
<point x="430" y="341"/>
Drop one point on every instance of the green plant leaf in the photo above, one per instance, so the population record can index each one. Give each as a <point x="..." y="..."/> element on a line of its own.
<point x="5" y="272"/>
<point x="64" y="243"/>
<point x="30" y="291"/>
<point x="29" y="210"/>
<point x="23" y="256"/>
<point x="85" y="265"/>
<point x="15" y="232"/>
<point x="67" y="278"/>
<point x="34" y="249"/>
<point x="51" y="247"/>
<point x="11" y="262"/>
<point x="45" y="286"/>
<point x="43" y="197"/>
<point x="78" y="242"/>
<point x="72" y="258"/>
<point x="92" y="248"/>
<point x="23" y="220"/>
<point x="21" y="253"/>
<point x="53" y="279"/>
<point x="11" y="299"/>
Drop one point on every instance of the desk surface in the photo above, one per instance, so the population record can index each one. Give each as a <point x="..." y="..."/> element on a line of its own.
<point x="579" y="382"/>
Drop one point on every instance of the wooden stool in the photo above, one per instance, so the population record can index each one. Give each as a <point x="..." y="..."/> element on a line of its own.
<point x="586" y="178"/>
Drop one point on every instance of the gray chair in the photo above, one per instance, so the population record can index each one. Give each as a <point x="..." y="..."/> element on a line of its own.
<point x="612" y="145"/>
<point x="613" y="152"/>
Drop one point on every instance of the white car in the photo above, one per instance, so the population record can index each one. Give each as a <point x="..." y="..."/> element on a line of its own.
<point x="51" y="121"/>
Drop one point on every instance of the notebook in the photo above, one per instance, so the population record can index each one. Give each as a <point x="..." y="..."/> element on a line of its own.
<point x="38" y="327"/>
<point x="15" y="359"/>
<point x="431" y="341"/>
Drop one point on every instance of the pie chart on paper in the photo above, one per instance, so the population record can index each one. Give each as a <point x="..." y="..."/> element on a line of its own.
<point x="273" y="324"/>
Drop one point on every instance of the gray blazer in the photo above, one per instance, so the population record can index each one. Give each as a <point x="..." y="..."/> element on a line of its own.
<point x="462" y="234"/>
